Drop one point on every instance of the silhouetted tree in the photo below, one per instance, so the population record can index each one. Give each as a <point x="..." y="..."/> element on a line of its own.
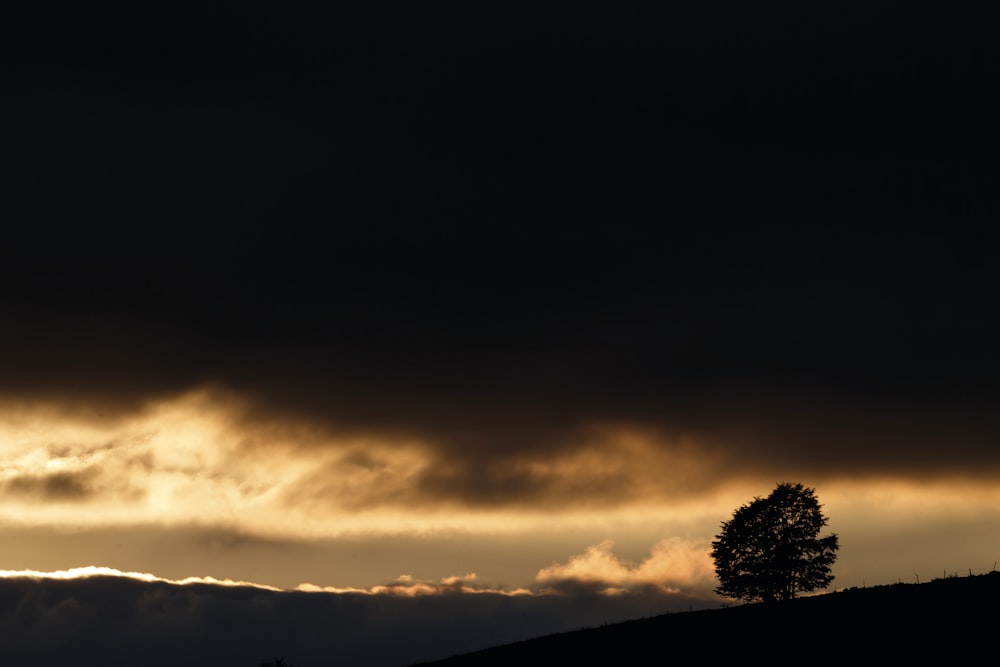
<point x="771" y="549"/>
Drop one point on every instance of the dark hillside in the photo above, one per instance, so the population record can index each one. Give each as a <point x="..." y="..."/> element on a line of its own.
<point x="950" y="619"/>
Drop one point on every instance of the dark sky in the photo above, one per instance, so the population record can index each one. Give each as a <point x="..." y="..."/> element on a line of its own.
<point x="625" y="206"/>
<point x="490" y="286"/>
<point x="488" y="227"/>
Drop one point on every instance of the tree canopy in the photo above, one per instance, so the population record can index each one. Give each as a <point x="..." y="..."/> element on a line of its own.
<point x="771" y="549"/>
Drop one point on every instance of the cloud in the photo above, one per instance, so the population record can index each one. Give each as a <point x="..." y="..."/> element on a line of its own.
<point x="200" y="455"/>
<point x="493" y="349"/>
<point x="210" y="456"/>
<point x="675" y="564"/>
<point x="98" y="571"/>
<point x="126" y="620"/>
<point x="57" y="486"/>
<point x="47" y="463"/>
<point x="406" y="586"/>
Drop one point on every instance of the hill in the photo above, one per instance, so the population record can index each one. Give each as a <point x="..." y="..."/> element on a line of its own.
<point x="949" y="619"/>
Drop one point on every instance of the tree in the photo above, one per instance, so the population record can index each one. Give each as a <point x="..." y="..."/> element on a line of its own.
<point x="771" y="549"/>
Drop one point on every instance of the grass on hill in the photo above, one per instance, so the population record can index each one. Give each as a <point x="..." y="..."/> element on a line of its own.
<point x="951" y="619"/>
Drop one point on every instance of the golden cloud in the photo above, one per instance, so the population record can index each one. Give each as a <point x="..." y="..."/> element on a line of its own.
<point x="207" y="457"/>
<point x="673" y="565"/>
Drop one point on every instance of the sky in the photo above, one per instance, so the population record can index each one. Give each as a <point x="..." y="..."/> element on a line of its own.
<point x="463" y="316"/>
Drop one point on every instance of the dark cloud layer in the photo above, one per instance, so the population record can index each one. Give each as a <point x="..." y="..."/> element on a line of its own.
<point x="491" y="235"/>
<point x="55" y="486"/>
<point x="112" y="621"/>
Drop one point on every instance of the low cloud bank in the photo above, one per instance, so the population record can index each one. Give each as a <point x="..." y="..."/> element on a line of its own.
<point x="97" y="571"/>
<point x="124" y="620"/>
